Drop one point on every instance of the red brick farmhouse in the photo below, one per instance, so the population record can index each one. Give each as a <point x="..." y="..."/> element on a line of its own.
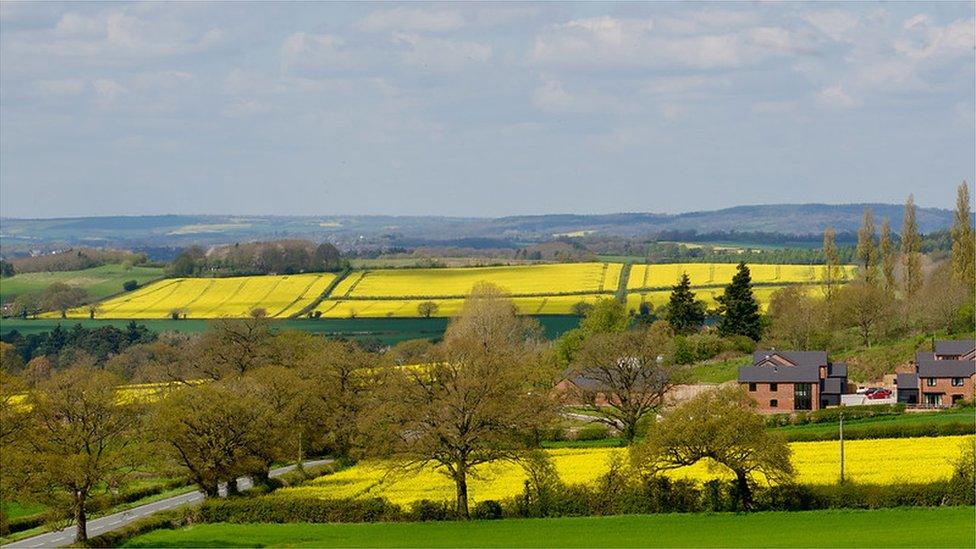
<point x="789" y="381"/>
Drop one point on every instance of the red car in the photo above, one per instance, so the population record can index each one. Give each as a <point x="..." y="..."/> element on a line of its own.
<point x="879" y="394"/>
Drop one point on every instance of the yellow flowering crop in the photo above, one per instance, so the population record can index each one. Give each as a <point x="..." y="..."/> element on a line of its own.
<point x="279" y="296"/>
<point x="872" y="461"/>
<point x="708" y="274"/>
<point x="709" y="295"/>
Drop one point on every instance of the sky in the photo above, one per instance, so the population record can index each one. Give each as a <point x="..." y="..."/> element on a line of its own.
<point x="480" y="109"/>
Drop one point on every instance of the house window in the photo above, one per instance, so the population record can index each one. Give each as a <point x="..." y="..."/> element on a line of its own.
<point x="955" y="399"/>
<point x="802" y="396"/>
<point x="933" y="399"/>
<point x="772" y="387"/>
<point x="752" y="387"/>
<point x="957" y="382"/>
<point x="930" y="382"/>
<point x="773" y="403"/>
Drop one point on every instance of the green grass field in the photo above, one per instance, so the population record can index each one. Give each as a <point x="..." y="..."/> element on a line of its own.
<point x="964" y="415"/>
<point x="99" y="281"/>
<point x="906" y="527"/>
<point x="388" y="330"/>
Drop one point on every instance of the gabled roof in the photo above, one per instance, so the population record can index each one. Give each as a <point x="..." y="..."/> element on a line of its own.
<point x="797" y="358"/>
<point x="958" y="347"/>
<point x="946" y="368"/>
<point x="594" y="380"/>
<point x="907" y="382"/>
<point x="804" y="373"/>
<point x="837" y="369"/>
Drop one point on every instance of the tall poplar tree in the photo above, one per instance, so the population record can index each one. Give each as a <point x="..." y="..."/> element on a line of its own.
<point x="962" y="239"/>
<point x="831" y="271"/>
<point x="911" y="257"/>
<point x="867" y="253"/>
<point x="685" y="314"/>
<point x="738" y="307"/>
<point x="888" y="259"/>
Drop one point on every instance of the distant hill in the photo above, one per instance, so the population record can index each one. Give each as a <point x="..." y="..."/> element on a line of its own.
<point x="357" y="232"/>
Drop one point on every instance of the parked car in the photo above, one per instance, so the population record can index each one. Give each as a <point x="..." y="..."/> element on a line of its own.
<point x="879" y="394"/>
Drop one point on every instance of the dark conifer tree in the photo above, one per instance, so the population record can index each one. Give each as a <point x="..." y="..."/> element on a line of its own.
<point x="685" y="314"/>
<point x="738" y="307"/>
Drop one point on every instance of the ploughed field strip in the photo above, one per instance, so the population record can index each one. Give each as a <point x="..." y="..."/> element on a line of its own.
<point x="279" y="295"/>
<point x="544" y="289"/>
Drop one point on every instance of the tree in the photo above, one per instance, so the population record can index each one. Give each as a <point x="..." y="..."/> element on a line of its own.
<point x="738" y="307"/>
<point x="427" y="309"/>
<point x="911" y="256"/>
<point x="942" y="298"/>
<point x="327" y="257"/>
<point x="963" y="254"/>
<point x="6" y="268"/>
<point x="831" y="277"/>
<point x="61" y="297"/>
<point x="10" y="361"/>
<point x="795" y="318"/>
<point x="627" y="375"/>
<point x="26" y="305"/>
<point x="130" y="285"/>
<point x="865" y="306"/>
<point x="82" y="439"/>
<point x="866" y="252"/>
<point x="888" y="258"/>
<point x="718" y="425"/>
<point x="606" y="315"/>
<point x="480" y="402"/>
<point x="232" y="346"/>
<point x="685" y="314"/>
<point x="213" y="430"/>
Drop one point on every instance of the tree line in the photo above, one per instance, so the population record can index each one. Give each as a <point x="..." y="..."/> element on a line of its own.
<point x="253" y="258"/>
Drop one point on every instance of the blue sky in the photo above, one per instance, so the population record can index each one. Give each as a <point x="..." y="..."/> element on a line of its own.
<point x="480" y="109"/>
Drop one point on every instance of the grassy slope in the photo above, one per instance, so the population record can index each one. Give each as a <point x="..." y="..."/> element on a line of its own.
<point x="99" y="281"/>
<point x="931" y="527"/>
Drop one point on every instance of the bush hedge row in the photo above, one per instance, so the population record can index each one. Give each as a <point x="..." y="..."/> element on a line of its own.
<point x="883" y="430"/>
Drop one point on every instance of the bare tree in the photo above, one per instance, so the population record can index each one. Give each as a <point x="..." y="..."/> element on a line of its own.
<point x="478" y="403"/>
<point x="865" y="306"/>
<point x="623" y="377"/>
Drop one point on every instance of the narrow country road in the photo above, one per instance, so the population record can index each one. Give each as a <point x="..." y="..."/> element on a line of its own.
<point x="118" y="520"/>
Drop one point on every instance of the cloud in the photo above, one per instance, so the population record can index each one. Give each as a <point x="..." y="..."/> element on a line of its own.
<point x="60" y="87"/>
<point x="836" y="96"/>
<point x="308" y="53"/>
<point x="609" y="42"/>
<point x="441" y="54"/>
<point x="412" y="19"/>
<point x="837" y="24"/>
<point x="243" y="108"/>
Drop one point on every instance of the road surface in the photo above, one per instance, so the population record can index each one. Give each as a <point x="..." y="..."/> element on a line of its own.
<point x="118" y="520"/>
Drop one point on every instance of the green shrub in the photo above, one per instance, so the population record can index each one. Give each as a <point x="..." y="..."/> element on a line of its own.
<point x="130" y="285"/>
<point x="425" y="509"/>
<point x="487" y="510"/>
<point x="887" y="430"/>
<point x="593" y="432"/>
<point x="831" y="415"/>
<point x="278" y="509"/>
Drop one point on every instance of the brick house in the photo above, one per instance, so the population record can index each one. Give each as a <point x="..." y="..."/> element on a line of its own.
<point x="789" y="381"/>
<point x="941" y="378"/>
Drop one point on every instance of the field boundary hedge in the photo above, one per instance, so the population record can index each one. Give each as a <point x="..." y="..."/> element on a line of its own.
<point x="324" y="295"/>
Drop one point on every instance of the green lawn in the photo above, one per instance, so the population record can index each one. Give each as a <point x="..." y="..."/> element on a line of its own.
<point x="717" y="372"/>
<point x="962" y="415"/>
<point x="907" y="527"/>
<point x="99" y="281"/>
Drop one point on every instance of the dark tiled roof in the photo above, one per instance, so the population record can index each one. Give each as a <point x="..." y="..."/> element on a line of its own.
<point x="780" y="374"/>
<point x="594" y="380"/>
<point x="799" y="358"/>
<point x="956" y="347"/>
<point x="838" y="369"/>
<point x="923" y="357"/>
<point x="833" y="385"/>
<point x="907" y="382"/>
<point x="946" y="368"/>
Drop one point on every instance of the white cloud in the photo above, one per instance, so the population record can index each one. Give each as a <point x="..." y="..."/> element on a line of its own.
<point x="243" y="108"/>
<point x="441" y="54"/>
<point x="609" y="42"/>
<point x="837" y="96"/>
<point x="303" y="52"/>
<point x="412" y="19"/>
<point x="551" y="96"/>
<point x="837" y="24"/>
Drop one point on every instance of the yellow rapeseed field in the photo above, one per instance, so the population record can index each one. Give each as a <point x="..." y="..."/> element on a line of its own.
<point x="660" y="297"/>
<point x="516" y="280"/>
<point x="708" y="274"/>
<point x="538" y="305"/>
<point x="873" y="461"/>
<point x="535" y="289"/>
<point x="280" y="296"/>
